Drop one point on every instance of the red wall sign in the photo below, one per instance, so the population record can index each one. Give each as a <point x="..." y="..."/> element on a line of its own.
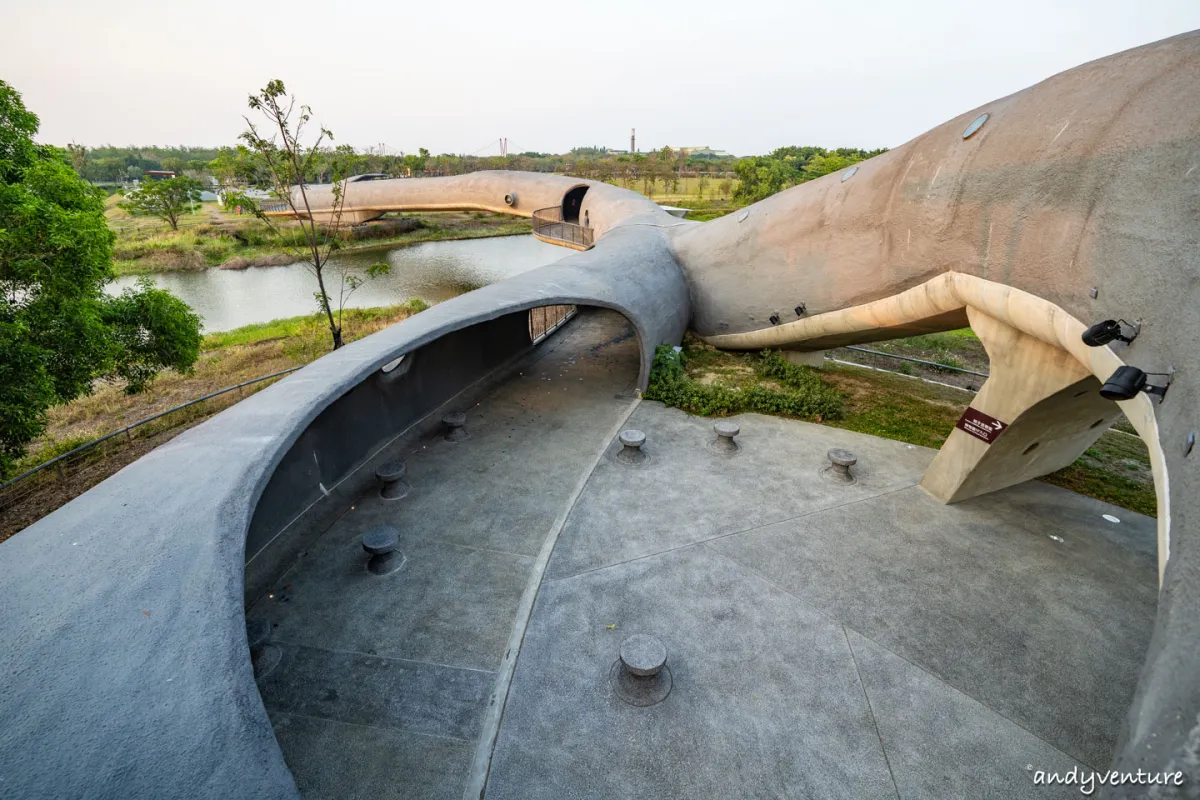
<point x="980" y="425"/>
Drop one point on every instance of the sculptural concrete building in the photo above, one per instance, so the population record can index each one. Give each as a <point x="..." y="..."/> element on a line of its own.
<point x="792" y="669"/>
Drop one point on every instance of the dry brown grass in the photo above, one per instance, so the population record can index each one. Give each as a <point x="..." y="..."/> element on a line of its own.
<point x="109" y="409"/>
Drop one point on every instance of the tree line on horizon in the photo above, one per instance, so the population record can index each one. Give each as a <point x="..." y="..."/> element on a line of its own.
<point x="238" y="167"/>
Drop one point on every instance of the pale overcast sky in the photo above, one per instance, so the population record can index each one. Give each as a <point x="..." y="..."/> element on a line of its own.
<point x="743" y="76"/>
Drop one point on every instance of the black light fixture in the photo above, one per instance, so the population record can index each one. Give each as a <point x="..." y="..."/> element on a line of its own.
<point x="800" y="309"/>
<point x="1126" y="382"/>
<point x="1110" y="330"/>
<point x="774" y="318"/>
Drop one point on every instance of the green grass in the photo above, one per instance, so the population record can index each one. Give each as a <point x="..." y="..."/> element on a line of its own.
<point x="773" y="386"/>
<point x="50" y="450"/>
<point x="1116" y="469"/>
<point x="897" y="408"/>
<point x="303" y="326"/>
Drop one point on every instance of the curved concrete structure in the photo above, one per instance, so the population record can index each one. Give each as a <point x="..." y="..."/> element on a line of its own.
<point x="124" y="636"/>
<point x="1074" y="201"/>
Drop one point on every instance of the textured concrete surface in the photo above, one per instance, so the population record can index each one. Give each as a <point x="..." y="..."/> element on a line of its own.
<point x="123" y="639"/>
<point x="414" y="654"/>
<point x="1082" y="190"/>
<point x="825" y="640"/>
<point x="124" y="633"/>
<point x="689" y="493"/>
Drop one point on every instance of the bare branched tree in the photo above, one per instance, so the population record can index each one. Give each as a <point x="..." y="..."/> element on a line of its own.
<point x="291" y="164"/>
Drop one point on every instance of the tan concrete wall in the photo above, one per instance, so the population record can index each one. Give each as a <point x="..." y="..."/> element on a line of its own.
<point x="1089" y="170"/>
<point x="607" y="205"/>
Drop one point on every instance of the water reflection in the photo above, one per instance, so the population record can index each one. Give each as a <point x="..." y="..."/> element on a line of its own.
<point x="433" y="271"/>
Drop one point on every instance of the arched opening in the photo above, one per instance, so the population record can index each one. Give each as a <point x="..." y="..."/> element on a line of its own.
<point x="391" y="551"/>
<point x="572" y="203"/>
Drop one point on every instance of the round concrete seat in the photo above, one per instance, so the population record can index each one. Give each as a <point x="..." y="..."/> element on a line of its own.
<point x="455" y="423"/>
<point x="840" y="462"/>
<point x="391" y="475"/>
<point x="726" y="430"/>
<point x="644" y="656"/>
<point x="632" y="438"/>
<point x="391" y="471"/>
<point x="631" y="453"/>
<point x="380" y="541"/>
<point x="842" y="458"/>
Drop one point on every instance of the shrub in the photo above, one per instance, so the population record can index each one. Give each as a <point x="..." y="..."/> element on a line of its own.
<point x="803" y="394"/>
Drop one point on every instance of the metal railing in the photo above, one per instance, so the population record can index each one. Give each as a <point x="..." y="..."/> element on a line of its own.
<point x="80" y="465"/>
<point x="935" y="364"/>
<point x="548" y="224"/>
<point x="545" y="320"/>
<point x="958" y="377"/>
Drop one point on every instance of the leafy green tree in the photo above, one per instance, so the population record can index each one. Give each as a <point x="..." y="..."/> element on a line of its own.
<point x="149" y="328"/>
<point x="59" y="332"/>
<point x="174" y="164"/>
<point x="168" y="199"/>
<point x="760" y="177"/>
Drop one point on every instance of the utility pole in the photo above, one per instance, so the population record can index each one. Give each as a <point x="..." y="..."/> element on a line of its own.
<point x="632" y="141"/>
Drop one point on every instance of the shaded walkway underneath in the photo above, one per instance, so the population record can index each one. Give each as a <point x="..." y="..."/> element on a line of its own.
<point x="383" y="681"/>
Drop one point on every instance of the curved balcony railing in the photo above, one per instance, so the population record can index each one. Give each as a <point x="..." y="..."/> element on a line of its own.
<point x="549" y="226"/>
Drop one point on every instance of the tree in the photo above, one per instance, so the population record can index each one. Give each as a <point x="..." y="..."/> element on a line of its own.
<point x="173" y="164"/>
<point x="79" y="157"/>
<point x="59" y="332"/>
<point x="167" y="199"/>
<point x="291" y="163"/>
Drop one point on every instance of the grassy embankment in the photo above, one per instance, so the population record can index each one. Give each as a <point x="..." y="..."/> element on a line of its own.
<point x="705" y="202"/>
<point x="226" y="359"/>
<point x="213" y="237"/>
<point x="709" y="382"/>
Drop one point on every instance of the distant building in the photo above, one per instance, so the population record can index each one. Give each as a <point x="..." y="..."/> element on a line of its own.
<point x="158" y="174"/>
<point x="705" y="152"/>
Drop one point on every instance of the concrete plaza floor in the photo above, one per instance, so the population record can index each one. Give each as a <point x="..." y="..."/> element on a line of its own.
<point x="824" y="640"/>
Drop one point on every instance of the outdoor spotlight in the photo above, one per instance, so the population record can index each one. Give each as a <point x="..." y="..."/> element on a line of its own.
<point x="1109" y="330"/>
<point x="800" y="309"/>
<point x="1126" y="382"/>
<point x="774" y="319"/>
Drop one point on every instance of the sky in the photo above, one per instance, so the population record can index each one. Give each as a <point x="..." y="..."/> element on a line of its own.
<point x="746" y="76"/>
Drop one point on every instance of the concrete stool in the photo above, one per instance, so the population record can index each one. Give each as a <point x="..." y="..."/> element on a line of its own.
<point x="840" y="462"/>
<point x="391" y="475"/>
<point x="380" y="544"/>
<point x="640" y="675"/>
<point x="725" y="430"/>
<point x="455" y="423"/>
<point x="264" y="657"/>
<point x="643" y="656"/>
<point x="631" y="453"/>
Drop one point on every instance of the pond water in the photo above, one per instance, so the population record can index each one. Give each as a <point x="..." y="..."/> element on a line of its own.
<point x="433" y="271"/>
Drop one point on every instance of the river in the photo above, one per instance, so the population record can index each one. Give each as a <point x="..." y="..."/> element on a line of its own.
<point x="433" y="271"/>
